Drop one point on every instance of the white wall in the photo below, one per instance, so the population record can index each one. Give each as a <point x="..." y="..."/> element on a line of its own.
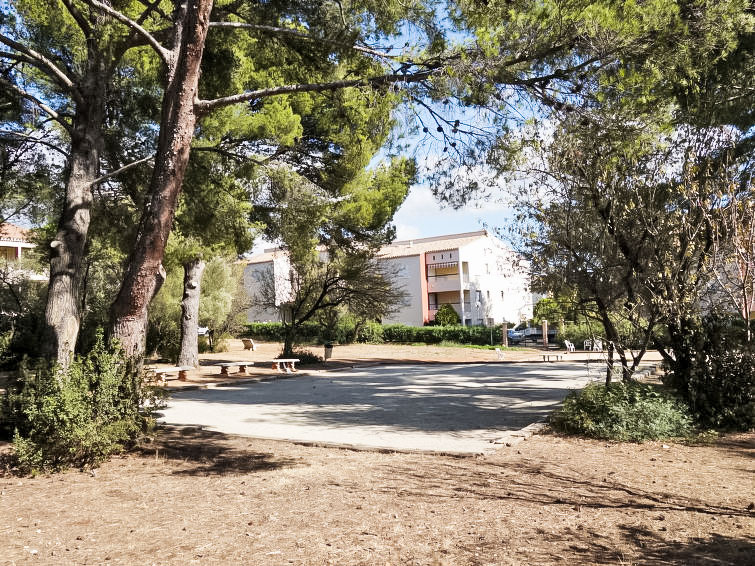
<point x="409" y="276"/>
<point x="502" y="280"/>
<point x="253" y="273"/>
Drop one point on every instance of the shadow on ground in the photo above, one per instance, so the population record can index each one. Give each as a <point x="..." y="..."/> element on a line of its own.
<point x="454" y="398"/>
<point x="204" y="453"/>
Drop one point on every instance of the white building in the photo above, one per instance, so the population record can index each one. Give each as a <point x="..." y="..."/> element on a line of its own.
<point x="477" y="274"/>
<point x="13" y="240"/>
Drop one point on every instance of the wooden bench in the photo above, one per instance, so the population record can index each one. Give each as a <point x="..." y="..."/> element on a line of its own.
<point x="242" y="366"/>
<point x="249" y="344"/>
<point x="547" y="357"/>
<point x="161" y="374"/>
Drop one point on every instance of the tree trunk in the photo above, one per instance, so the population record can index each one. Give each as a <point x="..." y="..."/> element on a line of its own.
<point x="144" y="273"/>
<point x="63" y="310"/>
<point x="609" y="364"/>
<point x="189" y="355"/>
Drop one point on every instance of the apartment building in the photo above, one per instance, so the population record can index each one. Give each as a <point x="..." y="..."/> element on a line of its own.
<point x="13" y="240"/>
<point x="478" y="275"/>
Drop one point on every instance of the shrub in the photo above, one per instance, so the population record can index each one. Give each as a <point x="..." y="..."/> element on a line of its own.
<point x="720" y="388"/>
<point x="624" y="411"/>
<point x="371" y="333"/>
<point x="446" y="316"/>
<point x="307" y="357"/>
<point x="76" y="417"/>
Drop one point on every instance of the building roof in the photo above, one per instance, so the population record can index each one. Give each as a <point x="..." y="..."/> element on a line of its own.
<point x="405" y="248"/>
<point x="401" y="248"/>
<point x="266" y="256"/>
<point x="13" y="233"/>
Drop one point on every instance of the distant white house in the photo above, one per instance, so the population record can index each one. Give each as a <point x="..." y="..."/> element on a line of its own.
<point x="13" y="240"/>
<point x="478" y="275"/>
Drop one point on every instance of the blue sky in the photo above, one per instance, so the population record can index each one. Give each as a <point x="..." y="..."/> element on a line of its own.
<point x="421" y="216"/>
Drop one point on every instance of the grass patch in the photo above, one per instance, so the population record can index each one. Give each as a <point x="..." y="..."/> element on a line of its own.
<point x="626" y="411"/>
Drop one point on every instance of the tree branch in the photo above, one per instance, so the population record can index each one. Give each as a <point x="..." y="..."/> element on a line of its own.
<point x="301" y="35"/>
<point x="49" y="111"/>
<point x="121" y="170"/>
<point x="41" y="62"/>
<point x="12" y="134"/>
<point x="202" y="106"/>
<point x="161" y="51"/>
<point x="82" y="22"/>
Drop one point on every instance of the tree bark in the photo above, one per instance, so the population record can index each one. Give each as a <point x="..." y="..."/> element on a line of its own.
<point x="189" y="355"/>
<point x="144" y="273"/>
<point x="63" y="309"/>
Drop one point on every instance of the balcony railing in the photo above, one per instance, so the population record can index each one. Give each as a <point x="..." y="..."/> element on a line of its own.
<point x="443" y="283"/>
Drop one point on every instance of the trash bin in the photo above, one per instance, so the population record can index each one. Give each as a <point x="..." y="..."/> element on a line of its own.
<point x="328" y="351"/>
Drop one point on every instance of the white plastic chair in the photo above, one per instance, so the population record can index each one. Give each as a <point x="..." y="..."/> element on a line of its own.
<point x="501" y="355"/>
<point x="569" y="346"/>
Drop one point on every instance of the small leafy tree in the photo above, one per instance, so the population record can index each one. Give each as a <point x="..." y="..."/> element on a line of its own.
<point x="447" y="316"/>
<point x="354" y="280"/>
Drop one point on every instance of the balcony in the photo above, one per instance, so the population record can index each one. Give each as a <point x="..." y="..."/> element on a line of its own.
<point x="443" y="283"/>
<point x="433" y="308"/>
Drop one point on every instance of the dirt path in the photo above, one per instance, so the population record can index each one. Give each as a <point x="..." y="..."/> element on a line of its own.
<point x="203" y="498"/>
<point x="194" y="497"/>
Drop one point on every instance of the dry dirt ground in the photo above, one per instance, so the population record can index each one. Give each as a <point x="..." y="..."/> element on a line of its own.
<point x="193" y="497"/>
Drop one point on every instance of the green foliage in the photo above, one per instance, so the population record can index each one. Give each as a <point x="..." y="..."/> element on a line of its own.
<point x="163" y="329"/>
<point x="371" y="333"/>
<point x="221" y="307"/>
<point x="720" y="385"/>
<point x="447" y="316"/>
<point x="578" y="333"/>
<point x="376" y="333"/>
<point x="553" y="310"/>
<point x="76" y="417"/>
<point x="436" y="334"/>
<point x="307" y="357"/>
<point x="627" y="411"/>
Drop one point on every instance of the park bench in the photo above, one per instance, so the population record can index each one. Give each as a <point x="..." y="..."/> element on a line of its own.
<point x="556" y="355"/>
<point x="161" y="374"/>
<point x="284" y="365"/>
<point x="241" y="364"/>
<point x="249" y="344"/>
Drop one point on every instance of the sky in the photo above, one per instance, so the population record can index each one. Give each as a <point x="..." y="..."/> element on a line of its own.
<point x="421" y="216"/>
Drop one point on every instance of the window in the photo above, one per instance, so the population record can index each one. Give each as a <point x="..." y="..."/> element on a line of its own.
<point x="478" y="296"/>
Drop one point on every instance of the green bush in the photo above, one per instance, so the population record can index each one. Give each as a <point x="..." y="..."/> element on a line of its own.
<point x="371" y="333"/>
<point x="721" y="386"/>
<point x="624" y="411"/>
<point x="447" y="316"/>
<point x="479" y="335"/>
<point x="375" y="333"/>
<point x="307" y="357"/>
<point x="76" y="417"/>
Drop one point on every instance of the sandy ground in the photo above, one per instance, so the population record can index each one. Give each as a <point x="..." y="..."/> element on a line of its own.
<point x="360" y="355"/>
<point x="196" y="497"/>
<point x="204" y="498"/>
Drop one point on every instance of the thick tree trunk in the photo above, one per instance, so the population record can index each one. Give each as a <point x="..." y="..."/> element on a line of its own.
<point x="189" y="355"/>
<point x="63" y="310"/>
<point x="144" y="273"/>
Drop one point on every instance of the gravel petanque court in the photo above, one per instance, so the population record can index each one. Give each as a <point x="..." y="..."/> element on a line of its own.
<point x="452" y="408"/>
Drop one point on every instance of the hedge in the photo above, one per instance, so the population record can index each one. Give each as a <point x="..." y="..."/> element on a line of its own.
<point x="376" y="333"/>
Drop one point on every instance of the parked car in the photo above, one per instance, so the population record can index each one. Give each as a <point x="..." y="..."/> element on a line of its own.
<point x="522" y="333"/>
